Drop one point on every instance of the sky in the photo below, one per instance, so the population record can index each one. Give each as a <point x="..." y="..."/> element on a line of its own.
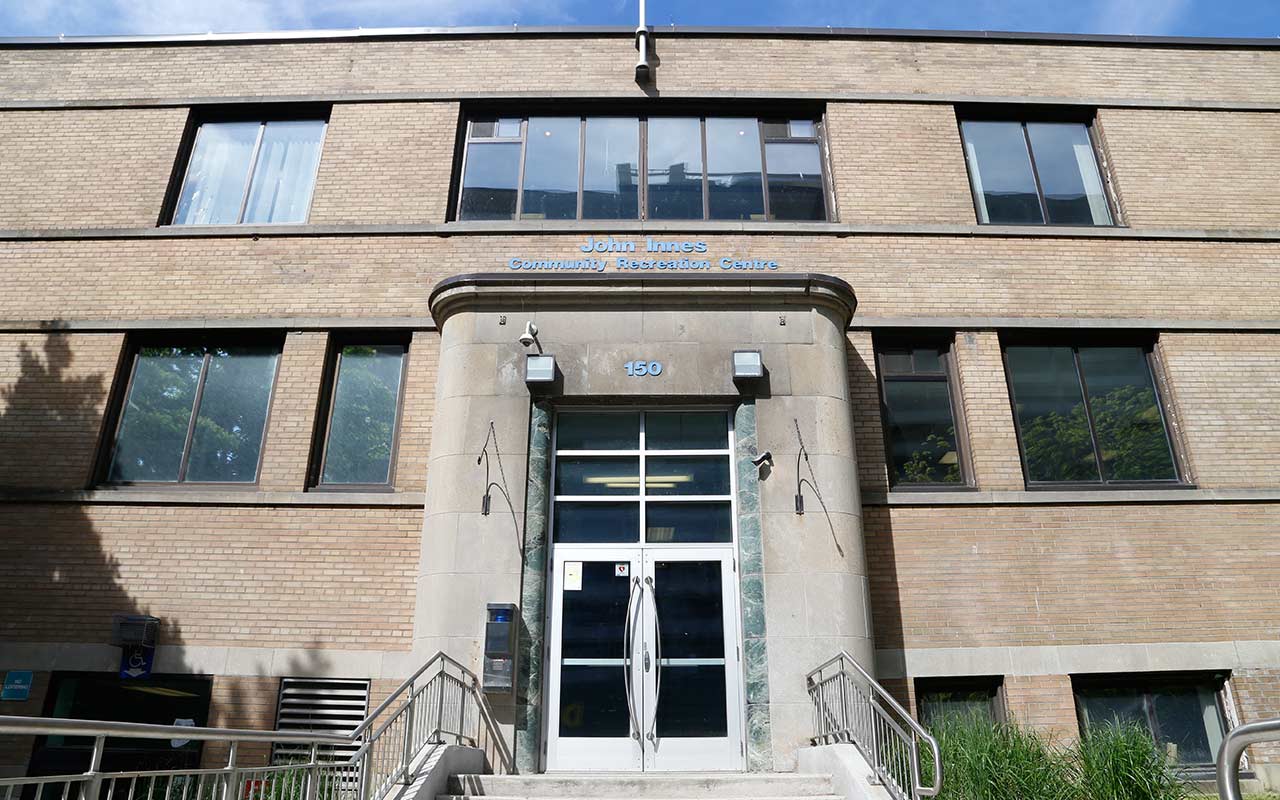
<point x="1251" y="18"/>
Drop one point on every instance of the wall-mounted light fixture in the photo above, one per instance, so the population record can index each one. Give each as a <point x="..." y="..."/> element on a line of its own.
<point x="747" y="365"/>
<point x="539" y="369"/>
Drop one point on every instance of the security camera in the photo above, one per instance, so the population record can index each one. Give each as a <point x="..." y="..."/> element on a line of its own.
<point x="530" y="334"/>
<point x="763" y="458"/>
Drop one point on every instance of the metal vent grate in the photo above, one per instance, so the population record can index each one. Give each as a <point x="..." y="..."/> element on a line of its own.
<point x="319" y="705"/>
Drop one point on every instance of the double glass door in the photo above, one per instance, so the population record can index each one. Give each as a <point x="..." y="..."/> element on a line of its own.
<point x="644" y="663"/>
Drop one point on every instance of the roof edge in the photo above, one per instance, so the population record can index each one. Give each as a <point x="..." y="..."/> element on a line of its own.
<point x="356" y="34"/>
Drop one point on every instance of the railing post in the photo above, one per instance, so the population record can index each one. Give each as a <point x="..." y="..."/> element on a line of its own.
<point x="366" y="773"/>
<point x="313" y="773"/>
<point x="232" y="775"/>
<point x="439" y="737"/>
<point x="90" y="788"/>
<point x="407" y="755"/>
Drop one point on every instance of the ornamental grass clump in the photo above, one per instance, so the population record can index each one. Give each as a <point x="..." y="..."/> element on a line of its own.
<point x="1122" y="762"/>
<point x="982" y="760"/>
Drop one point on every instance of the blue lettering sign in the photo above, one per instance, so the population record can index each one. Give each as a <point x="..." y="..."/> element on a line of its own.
<point x="17" y="684"/>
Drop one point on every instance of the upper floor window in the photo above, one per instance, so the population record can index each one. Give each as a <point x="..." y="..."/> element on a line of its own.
<point x="252" y="171"/>
<point x="1089" y="415"/>
<point x="631" y="167"/>
<point x="1183" y="713"/>
<point x="194" y="412"/>
<point x="364" y="411"/>
<point x="919" y="421"/>
<point x="1034" y="173"/>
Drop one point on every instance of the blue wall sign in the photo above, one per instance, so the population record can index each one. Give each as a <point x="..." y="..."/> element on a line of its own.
<point x="17" y="684"/>
<point x="647" y="255"/>
<point x="136" y="661"/>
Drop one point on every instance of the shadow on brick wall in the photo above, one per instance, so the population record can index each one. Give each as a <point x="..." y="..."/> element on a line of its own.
<point x="59" y="584"/>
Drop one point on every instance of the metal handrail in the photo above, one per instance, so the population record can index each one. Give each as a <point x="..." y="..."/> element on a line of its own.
<point x="843" y="712"/>
<point x="387" y="753"/>
<point x="1233" y="747"/>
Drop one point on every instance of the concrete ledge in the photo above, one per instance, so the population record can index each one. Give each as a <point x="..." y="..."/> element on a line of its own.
<point x="214" y="660"/>
<point x="1076" y="659"/>
<point x="1074" y="497"/>
<point x="699" y="227"/>
<point x="178" y="496"/>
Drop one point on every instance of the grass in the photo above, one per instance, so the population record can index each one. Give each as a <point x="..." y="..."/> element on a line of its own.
<point x="982" y="760"/>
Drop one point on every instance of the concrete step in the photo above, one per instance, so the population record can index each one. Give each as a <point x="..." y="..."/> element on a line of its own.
<point x="633" y="786"/>
<point x="592" y="797"/>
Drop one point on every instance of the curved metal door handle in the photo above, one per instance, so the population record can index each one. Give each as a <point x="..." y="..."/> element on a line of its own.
<point x="628" y="642"/>
<point x="657" y="647"/>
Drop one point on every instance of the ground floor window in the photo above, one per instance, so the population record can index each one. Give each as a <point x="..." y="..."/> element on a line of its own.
<point x="1183" y="713"/>
<point x="158" y="700"/>
<point x="942" y="698"/>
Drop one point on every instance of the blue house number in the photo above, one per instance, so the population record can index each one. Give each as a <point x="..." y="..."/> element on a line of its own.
<point x="641" y="369"/>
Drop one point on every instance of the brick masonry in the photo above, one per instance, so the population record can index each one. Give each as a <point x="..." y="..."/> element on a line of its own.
<point x="342" y="578"/>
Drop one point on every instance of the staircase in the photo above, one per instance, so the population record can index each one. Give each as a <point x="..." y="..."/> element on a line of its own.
<point x="615" y="786"/>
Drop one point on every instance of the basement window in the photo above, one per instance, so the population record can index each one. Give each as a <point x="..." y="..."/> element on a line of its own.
<point x="643" y="167"/>
<point x="1183" y="712"/>
<point x="962" y="698"/>
<point x="250" y="171"/>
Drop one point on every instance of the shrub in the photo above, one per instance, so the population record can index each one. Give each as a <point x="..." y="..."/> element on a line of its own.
<point x="982" y="760"/>
<point x="1122" y="762"/>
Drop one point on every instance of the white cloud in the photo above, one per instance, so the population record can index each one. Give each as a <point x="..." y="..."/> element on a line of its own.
<point x="82" y="17"/>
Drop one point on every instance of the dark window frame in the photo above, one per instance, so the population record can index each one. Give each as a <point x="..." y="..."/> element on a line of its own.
<point x="992" y="683"/>
<point x="125" y="375"/>
<point x="762" y="116"/>
<point x="1020" y="117"/>
<point x="1144" y="683"/>
<point x="897" y="342"/>
<point x="324" y="409"/>
<point x="263" y="113"/>
<point x="1181" y="479"/>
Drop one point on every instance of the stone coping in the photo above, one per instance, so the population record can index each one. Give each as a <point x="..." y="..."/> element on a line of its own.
<point x="755" y="289"/>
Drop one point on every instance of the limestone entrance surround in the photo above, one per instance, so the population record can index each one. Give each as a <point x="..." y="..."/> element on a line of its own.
<point x="802" y="576"/>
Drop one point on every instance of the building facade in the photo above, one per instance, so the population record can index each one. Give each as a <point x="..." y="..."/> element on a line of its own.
<point x="956" y="352"/>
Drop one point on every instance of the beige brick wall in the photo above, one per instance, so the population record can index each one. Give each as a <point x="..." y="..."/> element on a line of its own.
<point x="418" y="412"/>
<point x="604" y="64"/>
<point x="86" y="168"/>
<point x="1044" y="703"/>
<point x="898" y="163"/>
<point x="1072" y="575"/>
<point x="864" y="401"/>
<point x="372" y="276"/>
<point x="332" y="578"/>
<point x="386" y="162"/>
<point x="1197" y="169"/>
<point x="241" y="702"/>
<point x="53" y="390"/>
<point x="1226" y="390"/>
<point x="291" y="424"/>
<point x="1257" y="696"/>
<point x="988" y="415"/>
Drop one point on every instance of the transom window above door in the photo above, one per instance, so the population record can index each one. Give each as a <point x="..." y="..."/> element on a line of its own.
<point x="633" y="167"/>
<point x="667" y="474"/>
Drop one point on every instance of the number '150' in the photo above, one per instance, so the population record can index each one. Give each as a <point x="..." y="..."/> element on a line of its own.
<point x="640" y="369"/>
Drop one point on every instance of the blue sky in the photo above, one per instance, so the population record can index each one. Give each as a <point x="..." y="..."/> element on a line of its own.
<point x="1256" y="18"/>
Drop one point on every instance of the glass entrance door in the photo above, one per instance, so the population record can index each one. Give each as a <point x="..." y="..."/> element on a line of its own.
<point x="644" y="664"/>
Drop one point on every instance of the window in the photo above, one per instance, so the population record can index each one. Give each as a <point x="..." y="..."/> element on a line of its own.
<point x="1182" y="712"/>
<point x="364" y="409"/>
<point x="194" y="412"/>
<point x="158" y="700"/>
<point x="940" y="698"/>
<point x="921" y="439"/>
<point x="685" y="459"/>
<point x="250" y="171"/>
<point x="1033" y="173"/>
<point x="1089" y="415"/>
<point x="631" y="167"/>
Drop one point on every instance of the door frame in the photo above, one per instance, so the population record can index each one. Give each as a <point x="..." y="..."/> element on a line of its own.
<point x="735" y="637"/>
